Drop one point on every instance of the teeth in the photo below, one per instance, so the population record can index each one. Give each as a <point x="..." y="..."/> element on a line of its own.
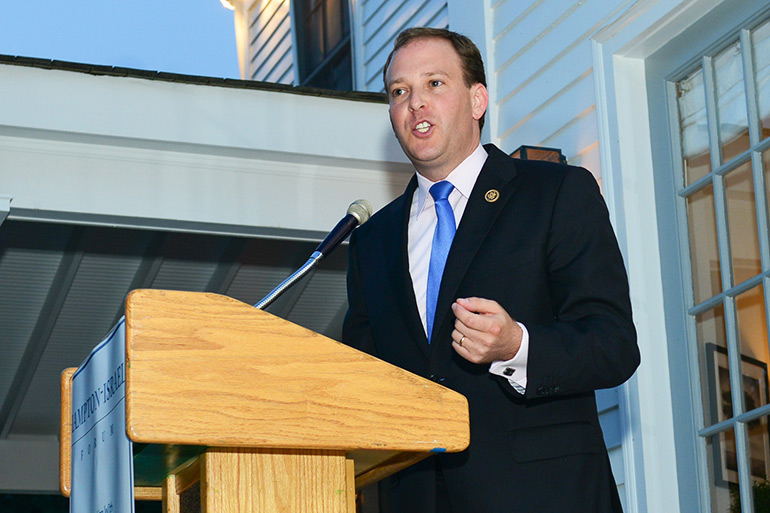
<point x="423" y="127"/>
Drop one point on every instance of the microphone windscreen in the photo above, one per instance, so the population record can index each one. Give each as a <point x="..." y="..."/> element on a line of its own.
<point x="361" y="210"/>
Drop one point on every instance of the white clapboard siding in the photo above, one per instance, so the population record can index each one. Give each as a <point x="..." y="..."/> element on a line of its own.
<point x="544" y="75"/>
<point x="589" y="158"/>
<point x="270" y="48"/>
<point x="566" y="106"/>
<point x="542" y="69"/>
<point x="544" y="96"/>
<point x="381" y="21"/>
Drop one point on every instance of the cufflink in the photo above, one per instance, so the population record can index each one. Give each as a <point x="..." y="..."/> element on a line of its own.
<point x="508" y="371"/>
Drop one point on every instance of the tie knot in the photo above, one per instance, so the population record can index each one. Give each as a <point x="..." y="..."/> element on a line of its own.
<point x="441" y="190"/>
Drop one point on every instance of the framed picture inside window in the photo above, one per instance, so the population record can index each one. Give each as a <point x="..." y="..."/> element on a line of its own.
<point x="755" y="394"/>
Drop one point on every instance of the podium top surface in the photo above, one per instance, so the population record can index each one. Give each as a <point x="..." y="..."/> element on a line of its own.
<point x="205" y="369"/>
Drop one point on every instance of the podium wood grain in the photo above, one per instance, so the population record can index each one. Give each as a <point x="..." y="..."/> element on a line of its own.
<point x="290" y="420"/>
<point x="205" y="369"/>
<point x="65" y="431"/>
<point x="272" y="480"/>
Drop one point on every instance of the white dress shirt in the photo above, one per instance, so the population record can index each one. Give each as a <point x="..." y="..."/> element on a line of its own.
<point x="422" y="224"/>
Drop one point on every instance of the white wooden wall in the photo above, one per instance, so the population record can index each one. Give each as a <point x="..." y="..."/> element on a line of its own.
<point x="194" y="153"/>
<point x="540" y="61"/>
<point x="544" y="74"/>
<point x="376" y="23"/>
<point x="271" y="46"/>
<point x="542" y="66"/>
<point x="540" y="71"/>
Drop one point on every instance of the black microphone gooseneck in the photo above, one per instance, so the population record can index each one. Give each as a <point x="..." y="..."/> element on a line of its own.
<point x="358" y="213"/>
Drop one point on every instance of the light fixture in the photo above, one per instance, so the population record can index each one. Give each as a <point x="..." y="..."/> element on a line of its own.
<point x="539" y="153"/>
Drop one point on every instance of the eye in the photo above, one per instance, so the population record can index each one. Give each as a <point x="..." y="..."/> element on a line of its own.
<point x="436" y="83"/>
<point x="397" y="91"/>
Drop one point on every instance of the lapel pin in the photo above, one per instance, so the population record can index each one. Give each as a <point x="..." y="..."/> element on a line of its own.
<point x="492" y="195"/>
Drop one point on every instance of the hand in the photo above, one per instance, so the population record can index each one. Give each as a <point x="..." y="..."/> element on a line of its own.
<point x="484" y="332"/>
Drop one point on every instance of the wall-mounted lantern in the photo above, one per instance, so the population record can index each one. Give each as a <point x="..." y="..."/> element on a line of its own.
<point x="539" y="153"/>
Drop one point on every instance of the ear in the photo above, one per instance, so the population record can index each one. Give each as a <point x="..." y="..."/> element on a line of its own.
<point x="479" y="100"/>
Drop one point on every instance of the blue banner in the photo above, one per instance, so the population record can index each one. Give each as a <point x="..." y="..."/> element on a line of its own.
<point x="102" y="458"/>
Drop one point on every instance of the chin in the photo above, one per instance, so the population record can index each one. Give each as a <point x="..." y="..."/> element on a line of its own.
<point x="424" y="154"/>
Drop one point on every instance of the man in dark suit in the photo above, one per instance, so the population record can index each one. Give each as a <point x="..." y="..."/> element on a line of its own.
<point x="506" y="285"/>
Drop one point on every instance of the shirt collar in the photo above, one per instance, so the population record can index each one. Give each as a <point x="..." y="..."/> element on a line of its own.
<point x="463" y="177"/>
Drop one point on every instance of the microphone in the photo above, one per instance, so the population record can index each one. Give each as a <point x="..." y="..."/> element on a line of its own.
<point x="358" y="213"/>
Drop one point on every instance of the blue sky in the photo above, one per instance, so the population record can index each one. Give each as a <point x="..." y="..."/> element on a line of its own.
<point x="194" y="37"/>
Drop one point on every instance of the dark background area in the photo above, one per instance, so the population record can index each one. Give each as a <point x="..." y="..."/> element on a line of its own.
<point x="18" y="503"/>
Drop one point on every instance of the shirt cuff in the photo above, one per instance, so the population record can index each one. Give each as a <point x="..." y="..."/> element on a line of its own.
<point x="515" y="369"/>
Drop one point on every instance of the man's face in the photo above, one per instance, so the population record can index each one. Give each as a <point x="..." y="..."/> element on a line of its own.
<point x="433" y="113"/>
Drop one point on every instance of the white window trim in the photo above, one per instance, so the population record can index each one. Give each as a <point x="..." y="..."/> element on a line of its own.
<point x="619" y="53"/>
<point x="357" y="44"/>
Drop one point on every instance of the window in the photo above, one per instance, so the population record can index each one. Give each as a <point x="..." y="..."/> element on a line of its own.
<point x="323" y="43"/>
<point x="721" y="107"/>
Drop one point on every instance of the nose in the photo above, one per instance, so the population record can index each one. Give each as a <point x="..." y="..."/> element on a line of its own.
<point x="416" y="101"/>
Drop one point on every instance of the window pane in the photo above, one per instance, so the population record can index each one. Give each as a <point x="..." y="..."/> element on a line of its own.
<point x="742" y="220"/>
<point x="314" y="46"/>
<point x="341" y="68"/>
<point x="694" y="128"/>
<point x="752" y="334"/>
<point x="723" y="456"/>
<point x="335" y="74"/>
<point x="723" y="471"/>
<point x="731" y="102"/>
<point x="715" y="380"/>
<point x="761" y="46"/>
<point x="759" y="450"/>
<point x="324" y="41"/>
<point x="766" y="165"/>
<point x="337" y="28"/>
<point x="704" y="255"/>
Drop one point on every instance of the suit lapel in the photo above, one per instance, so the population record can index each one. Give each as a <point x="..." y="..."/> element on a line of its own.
<point x="396" y="248"/>
<point x="497" y="174"/>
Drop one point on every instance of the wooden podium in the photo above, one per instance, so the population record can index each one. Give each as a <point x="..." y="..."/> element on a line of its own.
<point x="264" y="415"/>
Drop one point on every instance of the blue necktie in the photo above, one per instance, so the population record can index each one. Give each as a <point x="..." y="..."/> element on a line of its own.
<point x="442" y="241"/>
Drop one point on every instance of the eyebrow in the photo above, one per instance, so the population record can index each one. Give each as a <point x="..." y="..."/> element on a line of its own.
<point x="431" y="73"/>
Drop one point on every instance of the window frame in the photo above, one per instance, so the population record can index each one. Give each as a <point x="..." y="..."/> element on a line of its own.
<point x="631" y="58"/>
<point x="695" y="47"/>
<point x="729" y="291"/>
<point x="298" y="20"/>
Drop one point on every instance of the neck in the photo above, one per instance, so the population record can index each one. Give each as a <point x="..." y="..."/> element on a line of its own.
<point x="434" y="175"/>
<point x="438" y="173"/>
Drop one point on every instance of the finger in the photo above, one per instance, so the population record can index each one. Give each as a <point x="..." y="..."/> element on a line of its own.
<point x="487" y="313"/>
<point x="469" y="332"/>
<point x="462" y="313"/>
<point x="481" y="342"/>
<point x="479" y="305"/>
<point x="465" y="352"/>
<point x="461" y="346"/>
<point x="459" y="338"/>
<point x="470" y="320"/>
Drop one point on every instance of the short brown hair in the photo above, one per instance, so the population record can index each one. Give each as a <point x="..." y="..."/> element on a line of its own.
<point x="470" y="57"/>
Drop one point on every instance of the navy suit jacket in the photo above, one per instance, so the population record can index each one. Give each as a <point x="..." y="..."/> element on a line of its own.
<point x="545" y="250"/>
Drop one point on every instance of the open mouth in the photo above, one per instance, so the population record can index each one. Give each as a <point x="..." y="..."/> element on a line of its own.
<point x="422" y="127"/>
